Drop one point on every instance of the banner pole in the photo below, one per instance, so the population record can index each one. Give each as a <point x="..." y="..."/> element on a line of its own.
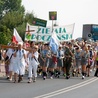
<point x="37" y="34"/>
<point x="52" y="26"/>
<point x="73" y="30"/>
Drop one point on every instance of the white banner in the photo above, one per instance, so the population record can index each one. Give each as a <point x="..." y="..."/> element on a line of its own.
<point x="43" y="34"/>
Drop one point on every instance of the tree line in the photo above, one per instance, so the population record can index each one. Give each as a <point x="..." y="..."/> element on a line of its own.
<point x="12" y="15"/>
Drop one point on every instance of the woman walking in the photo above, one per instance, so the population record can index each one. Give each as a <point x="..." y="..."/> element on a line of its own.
<point x="84" y="60"/>
<point x="33" y="63"/>
<point x="78" y="60"/>
<point x="19" y="67"/>
<point x="45" y="60"/>
<point x="60" y="56"/>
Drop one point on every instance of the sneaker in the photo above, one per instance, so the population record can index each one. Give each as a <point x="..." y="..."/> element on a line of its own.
<point x="40" y="74"/>
<point x="67" y="77"/>
<point x="51" y="77"/>
<point x="83" y="77"/>
<point x="7" y="78"/>
<point x="44" y="77"/>
<point x="34" y="80"/>
<point x="29" y="81"/>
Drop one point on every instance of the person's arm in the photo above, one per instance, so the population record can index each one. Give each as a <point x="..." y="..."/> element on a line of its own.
<point x="43" y="59"/>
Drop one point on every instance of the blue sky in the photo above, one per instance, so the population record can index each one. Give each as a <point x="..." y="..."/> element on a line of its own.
<point x="68" y="11"/>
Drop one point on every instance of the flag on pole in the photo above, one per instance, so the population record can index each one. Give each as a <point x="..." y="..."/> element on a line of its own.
<point x="54" y="43"/>
<point x="16" y="38"/>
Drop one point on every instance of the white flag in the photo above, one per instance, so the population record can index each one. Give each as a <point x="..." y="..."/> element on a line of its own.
<point x="54" y="43"/>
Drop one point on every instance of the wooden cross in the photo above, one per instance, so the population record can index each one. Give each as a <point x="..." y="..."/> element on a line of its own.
<point x="28" y="34"/>
<point x="28" y="31"/>
<point x="13" y="47"/>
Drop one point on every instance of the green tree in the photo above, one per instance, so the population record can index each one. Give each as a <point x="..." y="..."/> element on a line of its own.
<point x="12" y="15"/>
<point x="1" y="8"/>
<point x="28" y="18"/>
<point x="5" y="35"/>
<point x="11" y="21"/>
<point x="9" y="6"/>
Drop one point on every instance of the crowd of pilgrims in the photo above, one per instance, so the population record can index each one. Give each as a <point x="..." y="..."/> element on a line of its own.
<point x="73" y="58"/>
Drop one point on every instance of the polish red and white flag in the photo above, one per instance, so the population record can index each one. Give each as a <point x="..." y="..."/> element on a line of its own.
<point x="16" y="37"/>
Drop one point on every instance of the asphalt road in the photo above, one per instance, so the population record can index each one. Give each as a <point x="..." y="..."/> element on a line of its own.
<point x="75" y="87"/>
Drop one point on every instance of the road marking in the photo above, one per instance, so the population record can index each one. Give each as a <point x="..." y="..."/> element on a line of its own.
<point x="67" y="88"/>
